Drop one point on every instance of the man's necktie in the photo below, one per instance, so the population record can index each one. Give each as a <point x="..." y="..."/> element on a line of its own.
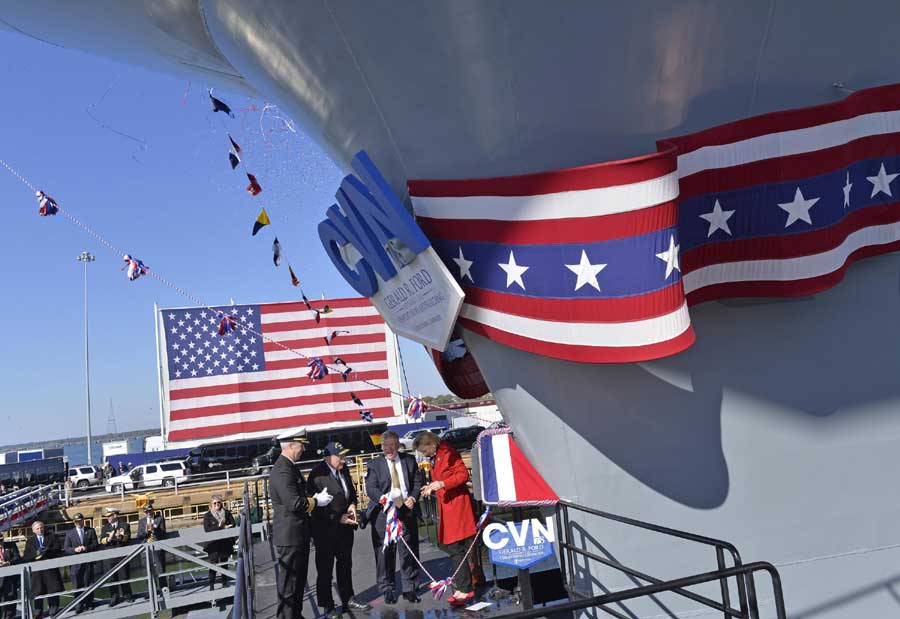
<point x="80" y="535"/>
<point x="395" y="481"/>
<point x="41" y="543"/>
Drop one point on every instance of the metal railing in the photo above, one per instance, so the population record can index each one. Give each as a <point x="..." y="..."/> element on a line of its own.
<point x="743" y="575"/>
<point x="18" y="507"/>
<point x="185" y="545"/>
<point x="603" y="601"/>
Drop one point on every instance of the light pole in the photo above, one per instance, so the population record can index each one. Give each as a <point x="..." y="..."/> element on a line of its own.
<point x="86" y="257"/>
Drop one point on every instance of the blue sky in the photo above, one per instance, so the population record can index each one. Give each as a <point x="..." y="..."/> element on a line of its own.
<point x="163" y="191"/>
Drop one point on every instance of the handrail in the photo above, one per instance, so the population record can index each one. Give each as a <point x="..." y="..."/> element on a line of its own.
<point x="746" y="590"/>
<point x="670" y="585"/>
<point x="656" y="528"/>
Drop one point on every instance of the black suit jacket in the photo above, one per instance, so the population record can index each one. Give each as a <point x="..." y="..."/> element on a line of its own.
<point x="378" y="481"/>
<point x="143" y="530"/>
<point x="218" y="546"/>
<point x="12" y="556"/>
<point x="291" y="504"/>
<point x="45" y="581"/>
<point x="72" y="542"/>
<point x="320" y="477"/>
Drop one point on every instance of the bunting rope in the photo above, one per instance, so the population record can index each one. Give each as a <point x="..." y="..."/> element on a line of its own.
<point x="199" y="302"/>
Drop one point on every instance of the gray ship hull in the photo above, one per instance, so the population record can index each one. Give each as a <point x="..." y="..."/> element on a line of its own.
<point x="777" y="430"/>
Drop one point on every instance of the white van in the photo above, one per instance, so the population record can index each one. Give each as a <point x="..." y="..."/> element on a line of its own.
<point x="149" y="475"/>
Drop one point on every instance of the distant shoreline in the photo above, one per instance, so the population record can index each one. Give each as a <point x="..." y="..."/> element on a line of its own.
<point x="64" y="442"/>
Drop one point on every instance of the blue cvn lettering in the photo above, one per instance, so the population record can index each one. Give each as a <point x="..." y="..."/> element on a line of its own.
<point x="372" y="215"/>
<point x="335" y="232"/>
<point x="384" y="213"/>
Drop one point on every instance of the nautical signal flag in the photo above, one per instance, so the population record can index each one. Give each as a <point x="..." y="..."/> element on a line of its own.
<point x="253" y="187"/>
<point x="276" y="252"/>
<point x="376" y="438"/>
<point x="219" y="105"/>
<point x="294" y="280"/>
<point x="356" y="399"/>
<point x="234" y="144"/>
<point x="261" y="221"/>
<point x="233" y="160"/>
<point x="367" y="416"/>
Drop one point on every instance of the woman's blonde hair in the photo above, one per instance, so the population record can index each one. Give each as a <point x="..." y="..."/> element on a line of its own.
<point x="426" y="438"/>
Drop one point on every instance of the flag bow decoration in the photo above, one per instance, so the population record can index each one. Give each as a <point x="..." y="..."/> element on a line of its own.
<point x="416" y="409"/>
<point x="227" y="324"/>
<point x="317" y="369"/>
<point x="330" y="337"/>
<point x="134" y="268"/>
<point x="485" y="518"/>
<point x="600" y="264"/>
<point x="48" y="205"/>
<point x="439" y="587"/>
<point x="393" y="527"/>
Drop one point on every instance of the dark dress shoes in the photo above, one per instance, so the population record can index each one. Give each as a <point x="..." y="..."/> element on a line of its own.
<point x="354" y="605"/>
<point x="410" y="596"/>
<point x="390" y="597"/>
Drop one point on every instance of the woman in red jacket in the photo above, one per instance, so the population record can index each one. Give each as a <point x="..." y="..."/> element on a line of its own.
<point x="456" y="526"/>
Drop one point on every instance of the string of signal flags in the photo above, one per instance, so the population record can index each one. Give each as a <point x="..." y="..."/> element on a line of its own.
<point x="135" y="268"/>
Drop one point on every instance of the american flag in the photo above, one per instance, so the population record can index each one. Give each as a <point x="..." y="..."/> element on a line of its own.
<point x="242" y="384"/>
<point x="600" y="263"/>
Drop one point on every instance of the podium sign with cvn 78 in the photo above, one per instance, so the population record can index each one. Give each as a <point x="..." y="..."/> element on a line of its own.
<point x="520" y="544"/>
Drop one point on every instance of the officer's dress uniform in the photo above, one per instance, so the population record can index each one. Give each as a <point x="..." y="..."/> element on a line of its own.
<point x="290" y="534"/>
<point x="111" y="538"/>
<point x="334" y="541"/>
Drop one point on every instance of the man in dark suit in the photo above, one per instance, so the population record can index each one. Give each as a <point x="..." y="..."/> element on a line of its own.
<point x="114" y="534"/>
<point x="38" y="547"/>
<point x="332" y="529"/>
<point x="79" y="540"/>
<point x="152" y="528"/>
<point x="291" y="506"/>
<point x="395" y="477"/>
<point x="9" y="585"/>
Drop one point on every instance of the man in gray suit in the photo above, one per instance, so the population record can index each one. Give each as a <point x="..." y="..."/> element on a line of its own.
<point x="290" y="524"/>
<point x="395" y="477"/>
<point x="79" y="540"/>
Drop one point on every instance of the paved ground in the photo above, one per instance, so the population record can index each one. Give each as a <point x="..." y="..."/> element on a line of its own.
<point x="366" y="590"/>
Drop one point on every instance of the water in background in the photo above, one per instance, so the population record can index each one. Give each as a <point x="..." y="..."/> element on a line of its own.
<point x="77" y="454"/>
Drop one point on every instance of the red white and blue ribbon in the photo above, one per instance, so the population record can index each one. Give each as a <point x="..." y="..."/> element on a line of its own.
<point x="485" y="518"/>
<point x="134" y="268"/>
<point x="317" y="369"/>
<point x="416" y="409"/>
<point x="48" y="205"/>
<point x="226" y="323"/>
<point x="393" y="527"/>
<point x="439" y="587"/>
